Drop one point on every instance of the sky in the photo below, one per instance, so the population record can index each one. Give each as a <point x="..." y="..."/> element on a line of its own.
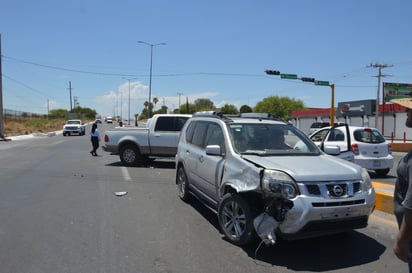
<point x="213" y="49"/>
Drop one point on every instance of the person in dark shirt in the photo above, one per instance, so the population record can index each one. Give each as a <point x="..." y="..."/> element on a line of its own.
<point x="94" y="138"/>
<point x="403" y="197"/>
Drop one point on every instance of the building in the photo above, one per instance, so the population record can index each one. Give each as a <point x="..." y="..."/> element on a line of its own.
<point x="359" y="113"/>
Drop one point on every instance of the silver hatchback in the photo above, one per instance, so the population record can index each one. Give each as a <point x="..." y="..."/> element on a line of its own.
<point x="265" y="178"/>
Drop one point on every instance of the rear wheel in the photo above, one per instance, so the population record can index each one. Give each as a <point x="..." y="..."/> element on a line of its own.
<point x="382" y="172"/>
<point x="236" y="219"/>
<point x="182" y="184"/>
<point x="130" y="156"/>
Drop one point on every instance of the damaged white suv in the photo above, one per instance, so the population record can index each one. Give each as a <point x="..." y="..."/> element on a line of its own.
<point x="264" y="177"/>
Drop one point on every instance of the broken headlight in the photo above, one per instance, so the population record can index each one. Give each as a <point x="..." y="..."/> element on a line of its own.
<point x="279" y="184"/>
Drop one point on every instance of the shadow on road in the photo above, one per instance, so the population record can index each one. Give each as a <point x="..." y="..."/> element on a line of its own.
<point x="319" y="254"/>
<point x="326" y="253"/>
<point x="157" y="164"/>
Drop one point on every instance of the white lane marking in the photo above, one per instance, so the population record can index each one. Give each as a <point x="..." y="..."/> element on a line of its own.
<point x="125" y="174"/>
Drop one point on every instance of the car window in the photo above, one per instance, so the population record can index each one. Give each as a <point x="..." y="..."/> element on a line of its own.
<point x="180" y="122"/>
<point x="270" y="139"/>
<point x="165" y="124"/>
<point x="199" y="133"/>
<point x="319" y="136"/>
<point x="214" y="136"/>
<point x="189" y="131"/>
<point x="368" y="135"/>
<point x="336" y="135"/>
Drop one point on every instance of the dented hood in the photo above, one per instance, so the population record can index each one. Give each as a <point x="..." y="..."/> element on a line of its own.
<point x="309" y="168"/>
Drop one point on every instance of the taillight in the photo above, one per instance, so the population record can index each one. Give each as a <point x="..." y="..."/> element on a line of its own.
<point x="390" y="148"/>
<point x="106" y="138"/>
<point x="355" y="148"/>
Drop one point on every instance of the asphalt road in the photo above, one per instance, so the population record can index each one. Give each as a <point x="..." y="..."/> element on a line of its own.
<point x="59" y="212"/>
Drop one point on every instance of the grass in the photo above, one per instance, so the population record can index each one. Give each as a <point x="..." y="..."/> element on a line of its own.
<point x="27" y="126"/>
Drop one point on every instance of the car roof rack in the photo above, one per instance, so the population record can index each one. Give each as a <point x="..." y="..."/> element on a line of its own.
<point x="261" y="116"/>
<point x="220" y="115"/>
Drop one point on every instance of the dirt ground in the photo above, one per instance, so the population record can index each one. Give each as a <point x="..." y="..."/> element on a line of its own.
<point x="25" y="127"/>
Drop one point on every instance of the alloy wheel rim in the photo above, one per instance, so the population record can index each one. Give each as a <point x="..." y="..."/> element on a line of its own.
<point x="234" y="219"/>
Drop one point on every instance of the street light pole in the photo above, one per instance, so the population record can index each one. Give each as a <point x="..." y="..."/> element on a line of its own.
<point x="128" y="117"/>
<point x="129" y="79"/>
<point x="151" y="63"/>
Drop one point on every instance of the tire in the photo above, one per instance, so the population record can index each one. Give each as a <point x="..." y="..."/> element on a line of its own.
<point x="236" y="219"/>
<point x="382" y="172"/>
<point x="130" y="156"/>
<point x="182" y="184"/>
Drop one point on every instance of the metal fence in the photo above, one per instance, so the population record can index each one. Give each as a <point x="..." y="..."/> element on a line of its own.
<point x="13" y="115"/>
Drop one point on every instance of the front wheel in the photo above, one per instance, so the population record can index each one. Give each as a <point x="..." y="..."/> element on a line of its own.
<point x="130" y="156"/>
<point x="236" y="219"/>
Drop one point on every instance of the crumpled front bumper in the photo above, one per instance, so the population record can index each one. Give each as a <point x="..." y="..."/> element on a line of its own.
<point x="315" y="216"/>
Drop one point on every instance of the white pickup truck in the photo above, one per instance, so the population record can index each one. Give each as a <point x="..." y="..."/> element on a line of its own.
<point x="74" y="126"/>
<point x="139" y="145"/>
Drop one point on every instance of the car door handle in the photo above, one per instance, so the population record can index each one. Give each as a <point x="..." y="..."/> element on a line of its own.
<point x="201" y="158"/>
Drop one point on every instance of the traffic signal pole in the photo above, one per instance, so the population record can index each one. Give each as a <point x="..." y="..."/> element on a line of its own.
<point x="307" y="79"/>
<point x="332" y="105"/>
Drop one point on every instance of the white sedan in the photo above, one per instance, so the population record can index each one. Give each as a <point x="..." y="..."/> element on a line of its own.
<point x="370" y="148"/>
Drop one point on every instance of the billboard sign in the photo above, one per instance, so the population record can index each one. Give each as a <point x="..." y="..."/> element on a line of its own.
<point x="356" y="108"/>
<point x="396" y="90"/>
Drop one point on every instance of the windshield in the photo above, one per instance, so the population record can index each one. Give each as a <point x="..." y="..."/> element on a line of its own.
<point x="270" y="139"/>
<point x="73" y="122"/>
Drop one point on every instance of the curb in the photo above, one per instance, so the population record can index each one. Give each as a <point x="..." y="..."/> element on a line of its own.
<point x="384" y="197"/>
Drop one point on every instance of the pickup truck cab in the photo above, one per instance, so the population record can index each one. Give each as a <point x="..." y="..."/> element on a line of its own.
<point x="140" y="145"/>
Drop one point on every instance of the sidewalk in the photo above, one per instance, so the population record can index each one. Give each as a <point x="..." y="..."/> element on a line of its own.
<point x="384" y="197"/>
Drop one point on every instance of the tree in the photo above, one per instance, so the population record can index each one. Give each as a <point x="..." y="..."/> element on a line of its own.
<point x="155" y="101"/>
<point x="187" y="108"/>
<point x="279" y="106"/>
<point x="204" y="105"/>
<point x="229" y="109"/>
<point x="245" y="109"/>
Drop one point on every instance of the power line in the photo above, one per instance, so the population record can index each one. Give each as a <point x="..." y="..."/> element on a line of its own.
<point x="68" y="69"/>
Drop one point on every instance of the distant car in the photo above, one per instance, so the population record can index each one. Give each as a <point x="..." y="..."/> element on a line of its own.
<point x="98" y="120"/>
<point x="74" y="126"/>
<point x="249" y="171"/>
<point x="370" y="148"/>
<point x="109" y="120"/>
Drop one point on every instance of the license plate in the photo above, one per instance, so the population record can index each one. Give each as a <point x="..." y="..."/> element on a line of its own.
<point x="376" y="163"/>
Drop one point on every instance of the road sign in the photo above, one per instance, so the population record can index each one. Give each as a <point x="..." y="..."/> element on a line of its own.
<point x="322" y="83"/>
<point x="289" y="76"/>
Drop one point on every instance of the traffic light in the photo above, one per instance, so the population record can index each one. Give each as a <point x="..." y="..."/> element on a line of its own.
<point x="304" y="79"/>
<point x="272" y="72"/>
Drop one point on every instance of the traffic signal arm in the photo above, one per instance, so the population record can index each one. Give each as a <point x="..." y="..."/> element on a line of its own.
<point x="272" y="72"/>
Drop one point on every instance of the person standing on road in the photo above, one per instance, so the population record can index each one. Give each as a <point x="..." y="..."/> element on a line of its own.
<point x="403" y="197"/>
<point x="94" y="138"/>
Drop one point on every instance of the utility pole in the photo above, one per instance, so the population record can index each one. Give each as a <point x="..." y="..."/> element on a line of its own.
<point x="70" y="89"/>
<point x="380" y="67"/>
<point x="179" y="100"/>
<point x="1" y="99"/>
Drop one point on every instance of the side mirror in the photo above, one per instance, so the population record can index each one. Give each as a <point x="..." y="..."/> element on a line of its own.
<point x="213" y="150"/>
<point x="331" y="150"/>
